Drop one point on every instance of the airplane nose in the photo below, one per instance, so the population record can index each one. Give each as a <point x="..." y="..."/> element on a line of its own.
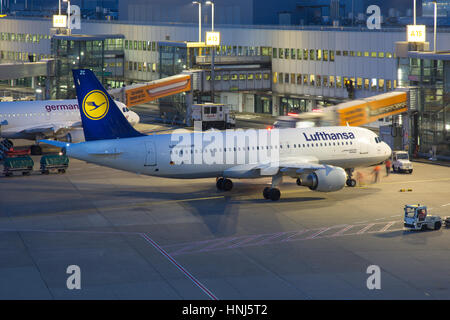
<point x="388" y="149"/>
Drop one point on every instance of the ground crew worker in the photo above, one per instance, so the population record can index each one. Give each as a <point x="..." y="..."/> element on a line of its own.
<point x="376" y="174"/>
<point x="388" y="166"/>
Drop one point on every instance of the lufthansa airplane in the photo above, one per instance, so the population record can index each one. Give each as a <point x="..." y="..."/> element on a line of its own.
<point x="321" y="158"/>
<point x="58" y="119"/>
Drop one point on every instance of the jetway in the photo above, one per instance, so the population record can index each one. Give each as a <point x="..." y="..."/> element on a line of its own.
<point x="362" y="111"/>
<point x="11" y="71"/>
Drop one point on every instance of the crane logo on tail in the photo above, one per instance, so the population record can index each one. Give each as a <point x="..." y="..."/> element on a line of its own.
<point x="95" y="105"/>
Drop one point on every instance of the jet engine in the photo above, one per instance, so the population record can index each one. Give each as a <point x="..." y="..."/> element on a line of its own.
<point x="74" y="136"/>
<point x="324" y="180"/>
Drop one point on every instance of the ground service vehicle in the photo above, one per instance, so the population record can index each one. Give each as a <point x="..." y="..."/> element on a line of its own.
<point x="58" y="163"/>
<point x="216" y="116"/>
<point x="400" y="162"/>
<point x="417" y="218"/>
<point x="22" y="164"/>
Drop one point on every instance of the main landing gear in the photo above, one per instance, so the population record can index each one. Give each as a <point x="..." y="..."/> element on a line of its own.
<point x="350" y="181"/>
<point x="224" y="184"/>
<point x="273" y="193"/>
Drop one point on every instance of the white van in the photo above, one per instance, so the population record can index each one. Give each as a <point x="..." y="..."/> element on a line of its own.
<point x="400" y="162"/>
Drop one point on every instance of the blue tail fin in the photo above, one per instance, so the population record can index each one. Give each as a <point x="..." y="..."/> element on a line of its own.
<point x="100" y="115"/>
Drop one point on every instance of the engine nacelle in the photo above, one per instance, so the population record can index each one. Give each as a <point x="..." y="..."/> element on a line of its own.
<point x="74" y="136"/>
<point x="325" y="180"/>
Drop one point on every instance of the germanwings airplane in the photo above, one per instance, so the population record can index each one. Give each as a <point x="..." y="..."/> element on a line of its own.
<point x="58" y="119"/>
<point x="320" y="158"/>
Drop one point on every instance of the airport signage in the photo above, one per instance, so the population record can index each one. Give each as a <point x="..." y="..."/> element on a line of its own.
<point x="415" y="33"/>
<point x="212" y="38"/>
<point x="59" y="21"/>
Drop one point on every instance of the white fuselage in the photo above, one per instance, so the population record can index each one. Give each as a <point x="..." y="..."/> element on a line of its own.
<point x="26" y="119"/>
<point x="159" y="155"/>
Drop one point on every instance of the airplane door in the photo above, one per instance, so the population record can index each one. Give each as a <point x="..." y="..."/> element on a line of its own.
<point x="150" y="159"/>
<point x="363" y="147"/>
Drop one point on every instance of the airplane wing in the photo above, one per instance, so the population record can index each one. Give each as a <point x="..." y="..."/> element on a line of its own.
<point x="57" y="129"/>
<point x="287" y="167"/>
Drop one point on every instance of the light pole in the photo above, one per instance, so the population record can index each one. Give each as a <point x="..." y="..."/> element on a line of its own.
<point x="213" y="50"/>
<point x="414" y="13"/>
<point x="435" y="25"/>
<point x="199" y="20"/>
<point x="59" y="7"/>
<point x="210" y="3"/>
<point x="69" y="18"/>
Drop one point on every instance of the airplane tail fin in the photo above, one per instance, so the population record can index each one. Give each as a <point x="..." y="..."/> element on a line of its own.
<point x="100" y="115"/>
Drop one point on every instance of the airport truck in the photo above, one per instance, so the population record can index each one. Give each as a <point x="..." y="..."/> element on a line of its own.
<point x="400" y="162"/>
<point x="58" y="163"/>
<point x="218" y="116"/>
<point x="23" y="164"/>
<point x="417" y="218"/>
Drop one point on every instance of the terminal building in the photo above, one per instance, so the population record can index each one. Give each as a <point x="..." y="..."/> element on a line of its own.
<point x="260" y="69"/>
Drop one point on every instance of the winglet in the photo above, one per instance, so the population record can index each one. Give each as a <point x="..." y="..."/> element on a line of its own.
<point x="100" y="115"/>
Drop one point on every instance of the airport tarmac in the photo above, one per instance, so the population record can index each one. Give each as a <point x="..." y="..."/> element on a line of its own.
<point x="139" y="237"/>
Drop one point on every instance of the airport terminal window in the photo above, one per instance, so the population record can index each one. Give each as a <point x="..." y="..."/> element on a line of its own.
<point x="286" y="78"/>
<point x="286" y="53"/>
<point x="312" y="54"/>
<point x="318" y="81"/>
<point x="299" y="54"/>
<point x="292" y="53"/>
<point x="388" y="85"/>
<point x="366" y="54"/>
<point x="299" y="79"/>
<point x="352" y="53"/>
<point x="144" y="45"/>
<point x="305" y="54"/>
<point x="281" y="53"/>
<point x="293" y="78"/>
<point x="373" y="85"/>
<point x="319" y="54"/>
<point x="389" y="55"/>
<point x="281" y="78"/>
<point x="312" y="80"/>
<point x="226" y="77"/>
<point x="359" y="54"/>
<point x="338" y="82"/>
<point x="274" y="53"/>
<point x="338" y="52"/>
<point x="380" y="84"/>
<point x="242" y="76"/>
<point x="325" y="81"/>
<point x="359" y="83"/>
<point x="305" y="79"/>
<point x="380" y="54"/>
<point x="325" y="55"/>
<point x="331" y="81"/>
<point x="234" y="76"/>
<point x="331" y="55"/>
<point x="275" y="77"/>
<point x="258" y="76"/>
<point x="345" y="53"/>
<point x="366" y="84"/>
<point x="373" y="54"/>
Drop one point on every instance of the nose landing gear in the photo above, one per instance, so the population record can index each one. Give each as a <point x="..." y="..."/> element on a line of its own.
<point x="350" y="181"/>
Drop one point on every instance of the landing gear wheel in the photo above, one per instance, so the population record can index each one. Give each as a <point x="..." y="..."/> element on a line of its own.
<point x="36" y="150"/>
<point x="299" y="182"/>
<point x="219" y="184"/>
<point x="424" y="227"/>
<point x="351" y="182"/>
<point x="437" y="225"/>
<point x="266" y="193"/>
<point x="274" y="194"/>
<point x="227" y="185"/>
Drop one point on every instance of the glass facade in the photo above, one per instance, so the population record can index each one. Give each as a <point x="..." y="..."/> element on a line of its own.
<point x="430" y="115"/>
<point x="102" y="54"/>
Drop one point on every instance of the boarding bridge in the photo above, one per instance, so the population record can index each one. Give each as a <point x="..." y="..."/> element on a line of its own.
<point x="10" y="71"/>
